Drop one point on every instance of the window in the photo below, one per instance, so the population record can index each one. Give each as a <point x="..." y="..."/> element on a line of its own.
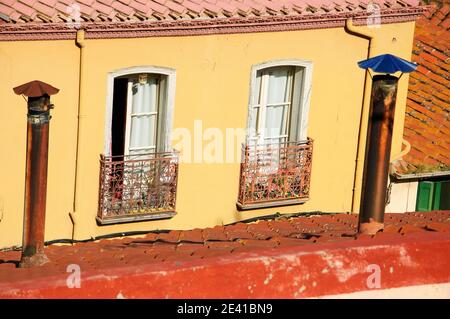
<point x="138" y="114"/>
<point x="433" y="196"/>
<point x="139" y="111"/>
<point x="271" y="114"/>
<point x="279" y="102"/>
<point x="277" y="158"/>
<point x="138" y="171"/>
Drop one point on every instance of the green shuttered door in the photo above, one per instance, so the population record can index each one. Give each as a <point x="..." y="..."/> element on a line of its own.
<point x="433" y="196"/>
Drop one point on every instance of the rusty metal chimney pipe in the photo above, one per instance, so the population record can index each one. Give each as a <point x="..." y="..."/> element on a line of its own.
<point x="378" y="151"/>
<point x="35" y="188"/>
<point x="38" y="119"/>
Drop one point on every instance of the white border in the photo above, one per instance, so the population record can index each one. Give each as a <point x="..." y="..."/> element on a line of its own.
<point x="171" y="80"/>
<point x="306" y="96"/>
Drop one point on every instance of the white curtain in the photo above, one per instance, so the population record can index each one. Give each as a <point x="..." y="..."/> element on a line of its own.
<point x="278" y="94"/>
<point x="143" y="121"/>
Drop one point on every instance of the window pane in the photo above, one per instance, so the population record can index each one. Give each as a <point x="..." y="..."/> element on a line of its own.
<point x="274" y="121"/>
<point x="143" y="131"/>
<point x="144" y="96"/>
<point x="295" y="117"/>
<point x="278" y="88"/>
<point x="162" y="136"/>
<point x="277" y="94"/>
<point x="257" y="99"/>
<point x="144" y="100"/>
<point x="253" y="121"/>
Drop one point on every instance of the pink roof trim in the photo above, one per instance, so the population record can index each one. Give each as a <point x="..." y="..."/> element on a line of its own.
<point x="26" y="11"/>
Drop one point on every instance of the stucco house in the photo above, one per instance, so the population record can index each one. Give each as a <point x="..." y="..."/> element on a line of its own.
<point x="176" y="114"/>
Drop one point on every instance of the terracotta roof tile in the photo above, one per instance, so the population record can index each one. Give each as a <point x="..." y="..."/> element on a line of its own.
<point x="223" y="245"/>
<point x="254" y="243"/>
<point x="6" y="9"/>
<point x="122" y="8"/>
<point x="182" y="246"/>
<point x="28" y="2"/>
<point x="101" y="8"/>
<point x="28" y="10"/>
<point x="175" y="7"/>
<point x="212" y="9"/>
<point x="45" y="9"/>
<point x="24" y="9"/>
<point x="216" y="233"/>
<point x="109" y="2"/>
<point x="242" y="7"/>
<point x="427" y="121"/>
<point x="51" y="3"/>
<point x="171" y="237"/>
<point x="194" y="236"/>
<point x="261" y="231"/>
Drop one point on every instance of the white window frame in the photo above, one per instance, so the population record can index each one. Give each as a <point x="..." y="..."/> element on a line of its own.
<point x="170" y="98"/>
<point x="130" y="115"/>
<point x="305" y="97"/>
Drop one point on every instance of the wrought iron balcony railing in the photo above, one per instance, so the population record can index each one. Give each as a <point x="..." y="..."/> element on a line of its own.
<point x="275" y="174"/>
<point x="137" y="187"/>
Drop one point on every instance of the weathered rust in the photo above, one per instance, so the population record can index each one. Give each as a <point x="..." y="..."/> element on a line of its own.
<point x="378" y="151"/>
<point x="275" y="174"/>
<point x="36" y="172"/>
<point x="35" y="194"/>
<point x="35" y="89"/>
<point x="137" y="187"/>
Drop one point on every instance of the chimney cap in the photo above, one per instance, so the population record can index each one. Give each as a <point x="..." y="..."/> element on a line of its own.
<point x="388" y="63"/>
<point x="35" y="89"/>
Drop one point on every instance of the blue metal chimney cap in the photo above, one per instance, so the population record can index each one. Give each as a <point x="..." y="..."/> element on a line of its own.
<point x="387" y="63"/>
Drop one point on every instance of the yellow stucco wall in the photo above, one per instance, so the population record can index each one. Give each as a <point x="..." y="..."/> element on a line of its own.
<point x="212" y="85"/>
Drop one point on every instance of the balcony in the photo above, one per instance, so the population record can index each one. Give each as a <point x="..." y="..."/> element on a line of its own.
<point x="138" y="187"/>
<point x="275" y="174"/>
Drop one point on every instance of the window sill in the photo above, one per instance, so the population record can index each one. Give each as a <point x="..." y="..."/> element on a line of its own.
<point x="134" y="218"/>
<point x="268" y="204"/>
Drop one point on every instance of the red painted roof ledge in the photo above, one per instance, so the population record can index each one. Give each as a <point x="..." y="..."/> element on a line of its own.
<point x="278" y="258"/>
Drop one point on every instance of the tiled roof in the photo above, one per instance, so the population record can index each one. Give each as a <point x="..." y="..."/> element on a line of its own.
<point x="23" y="11"/>
<point x="190" y="245"/>
<point x="427" y="121"/>
<point x="100" y="19"/>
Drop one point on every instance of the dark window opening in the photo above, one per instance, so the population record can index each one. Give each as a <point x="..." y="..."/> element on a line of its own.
<point x="119" y="116"/>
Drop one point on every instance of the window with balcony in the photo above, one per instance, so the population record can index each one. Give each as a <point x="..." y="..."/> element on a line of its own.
<point x="277" y="156"/>
<point x="138" y="170"/>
